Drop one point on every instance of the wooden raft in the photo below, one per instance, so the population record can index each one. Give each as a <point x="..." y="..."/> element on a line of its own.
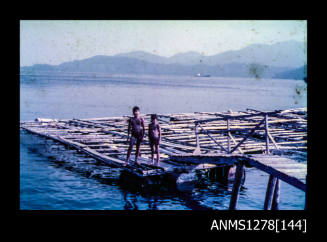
<point x="105" y="138"/>
<point x="200" y="140"/>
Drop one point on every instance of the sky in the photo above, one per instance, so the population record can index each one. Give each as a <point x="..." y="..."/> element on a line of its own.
<point x="57" y="41"/>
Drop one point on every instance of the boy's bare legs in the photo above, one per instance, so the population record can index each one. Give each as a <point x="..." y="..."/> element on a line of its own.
<point x="129" y="151"/>
<point x="158" y="155"/>
<point x="152" y="154"/>
<point x="138" y="146"/>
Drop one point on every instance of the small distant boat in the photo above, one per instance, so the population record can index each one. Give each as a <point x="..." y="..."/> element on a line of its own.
<point x="200" y="75"/>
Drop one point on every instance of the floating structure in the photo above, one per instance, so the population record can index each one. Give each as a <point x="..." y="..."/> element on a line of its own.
<point x="222" y="142"/>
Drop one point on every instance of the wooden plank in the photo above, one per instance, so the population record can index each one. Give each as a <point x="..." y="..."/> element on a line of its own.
<point x="217" y="159"/>
<point x="278" y="174"/>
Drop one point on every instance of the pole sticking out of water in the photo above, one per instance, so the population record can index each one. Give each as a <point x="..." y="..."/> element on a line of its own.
<point x="267" y="137"/>
<point x="269" y="192"/>
<point x="236" y="186"/>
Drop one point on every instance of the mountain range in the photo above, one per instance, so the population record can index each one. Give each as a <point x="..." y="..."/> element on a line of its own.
<point x="281" y="60"/>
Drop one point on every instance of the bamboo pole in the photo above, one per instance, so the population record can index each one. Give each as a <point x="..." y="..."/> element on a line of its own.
<point x="267" y="137"/>
<point x="197" y="149"/>
<point x="228" y="136"/>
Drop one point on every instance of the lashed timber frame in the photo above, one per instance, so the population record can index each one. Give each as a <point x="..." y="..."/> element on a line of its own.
<point x="194" y="141"/>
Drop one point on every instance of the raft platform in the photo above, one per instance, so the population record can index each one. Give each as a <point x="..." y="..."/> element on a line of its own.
<point x="196" y="141"/>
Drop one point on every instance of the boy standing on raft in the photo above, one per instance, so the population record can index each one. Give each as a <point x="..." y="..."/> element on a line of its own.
<point x="154" y="137"/>
<point x="138" y="131"/>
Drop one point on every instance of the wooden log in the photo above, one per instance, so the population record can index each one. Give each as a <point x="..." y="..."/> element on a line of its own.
<point x="254" y="110"/>
<point x="236" y="186"/>
<point x="269" y="192"/>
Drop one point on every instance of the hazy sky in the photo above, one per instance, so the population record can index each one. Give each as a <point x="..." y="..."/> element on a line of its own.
<point x="54" y="42"/>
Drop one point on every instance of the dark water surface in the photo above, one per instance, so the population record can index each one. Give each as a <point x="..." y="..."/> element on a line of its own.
<point x="52" y="177"/>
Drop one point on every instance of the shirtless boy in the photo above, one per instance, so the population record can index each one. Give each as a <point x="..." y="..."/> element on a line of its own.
<point x="154" y="137"/>
<point x="135" y="123"/>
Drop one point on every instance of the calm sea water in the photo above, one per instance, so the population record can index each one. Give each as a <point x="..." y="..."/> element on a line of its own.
<point x="53" y="178"/>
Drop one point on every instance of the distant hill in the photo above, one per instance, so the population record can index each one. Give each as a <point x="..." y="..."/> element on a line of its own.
<point x="298" y="74"/>
<point x="260" y="61"/>
<point x="142" y="55"/>
<point x="290" y="54"/>
<point x="123" y="65"/>
<point x="187" y="58"/>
